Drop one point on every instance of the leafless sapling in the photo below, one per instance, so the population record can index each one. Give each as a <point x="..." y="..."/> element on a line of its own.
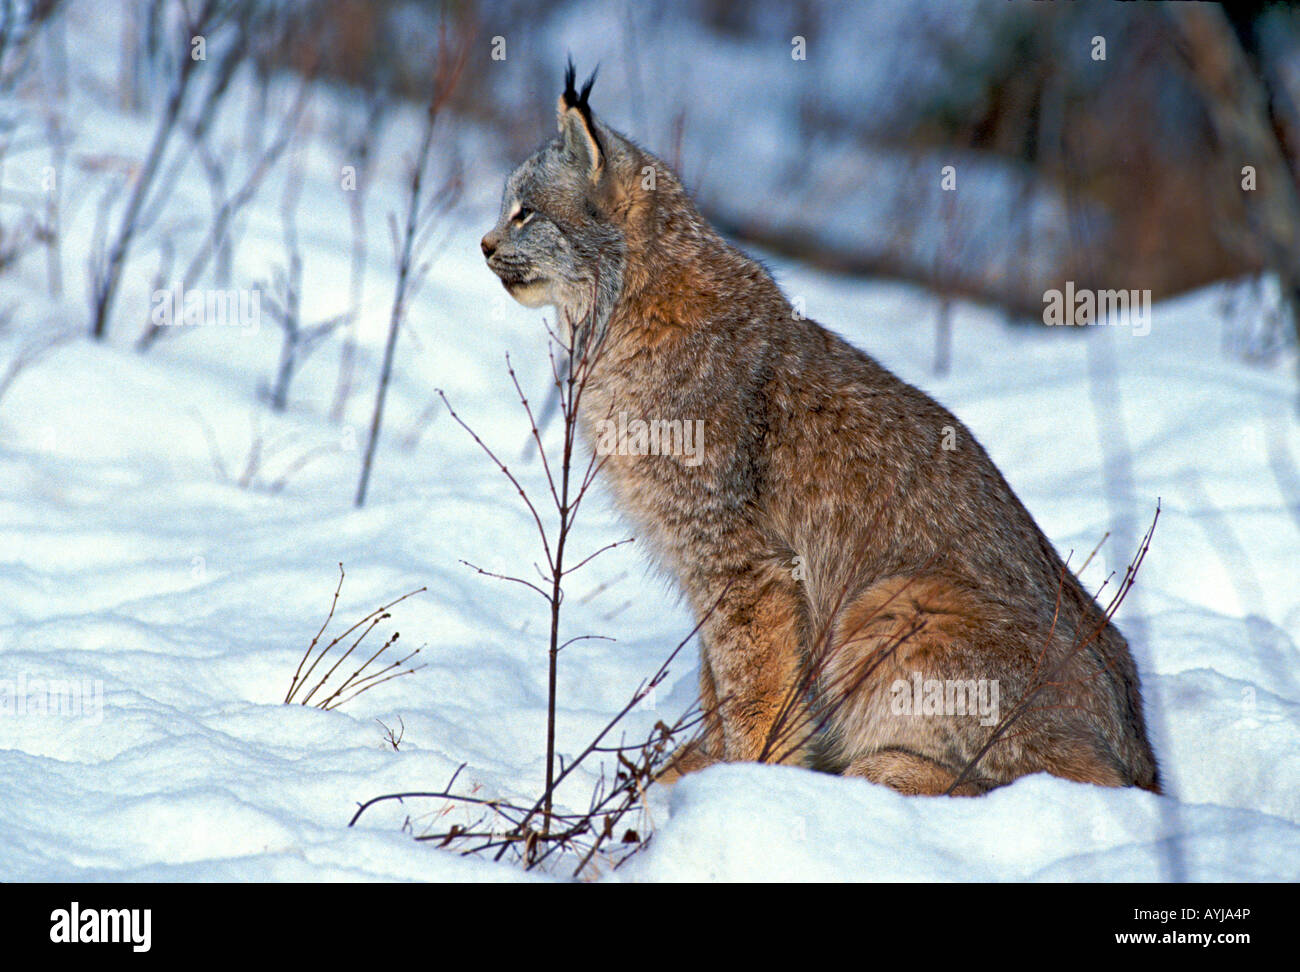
<point x="423" y="207"/>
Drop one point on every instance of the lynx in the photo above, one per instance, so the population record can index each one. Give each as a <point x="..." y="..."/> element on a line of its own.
<point x="834" y="515"/>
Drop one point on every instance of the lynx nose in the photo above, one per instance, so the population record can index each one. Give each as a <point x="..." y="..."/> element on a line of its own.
<point x="489" y="247"/>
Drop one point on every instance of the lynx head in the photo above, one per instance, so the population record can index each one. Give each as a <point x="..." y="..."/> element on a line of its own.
<point x="561" y="235"/>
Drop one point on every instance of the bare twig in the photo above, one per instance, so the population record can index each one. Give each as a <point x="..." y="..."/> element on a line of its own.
<point x="357" y="682"/>
<point x="408" y="248"/>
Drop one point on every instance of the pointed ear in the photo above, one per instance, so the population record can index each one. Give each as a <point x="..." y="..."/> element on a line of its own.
<point x="581" y="140"/>
<point x="578" y="128"/>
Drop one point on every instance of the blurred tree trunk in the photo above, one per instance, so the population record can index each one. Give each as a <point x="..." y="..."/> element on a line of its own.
<point x="1237" y="99"/>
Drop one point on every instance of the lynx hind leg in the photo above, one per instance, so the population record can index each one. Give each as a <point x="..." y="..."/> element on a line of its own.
<point x="898" y="630"/>
<point x="912" y="774"/>
<point x="907" y="638"/>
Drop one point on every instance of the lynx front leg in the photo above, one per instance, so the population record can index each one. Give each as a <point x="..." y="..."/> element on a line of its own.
<point x="752" y="640"/>
<point x="706" y="748"/>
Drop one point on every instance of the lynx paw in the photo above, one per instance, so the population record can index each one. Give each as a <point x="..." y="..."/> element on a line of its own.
<point x="688" y="758"/>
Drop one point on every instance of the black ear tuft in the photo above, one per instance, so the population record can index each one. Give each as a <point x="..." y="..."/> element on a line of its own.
<point x="586" y="87"/>
<point x="580" y="131"/>
<point x="572" y="97"/>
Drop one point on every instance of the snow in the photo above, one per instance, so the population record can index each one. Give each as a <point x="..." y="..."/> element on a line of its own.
<point x="773" y="823"/>
<point x="128" y="562"/>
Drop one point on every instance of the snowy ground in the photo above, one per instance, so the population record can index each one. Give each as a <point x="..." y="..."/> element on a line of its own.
<point x="128" y="561"/>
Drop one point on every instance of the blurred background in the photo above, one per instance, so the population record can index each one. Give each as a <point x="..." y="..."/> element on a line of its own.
<point x="1104" y="143"/>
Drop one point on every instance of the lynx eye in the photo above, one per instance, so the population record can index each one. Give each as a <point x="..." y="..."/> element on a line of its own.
<point x="522" y="217"/>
